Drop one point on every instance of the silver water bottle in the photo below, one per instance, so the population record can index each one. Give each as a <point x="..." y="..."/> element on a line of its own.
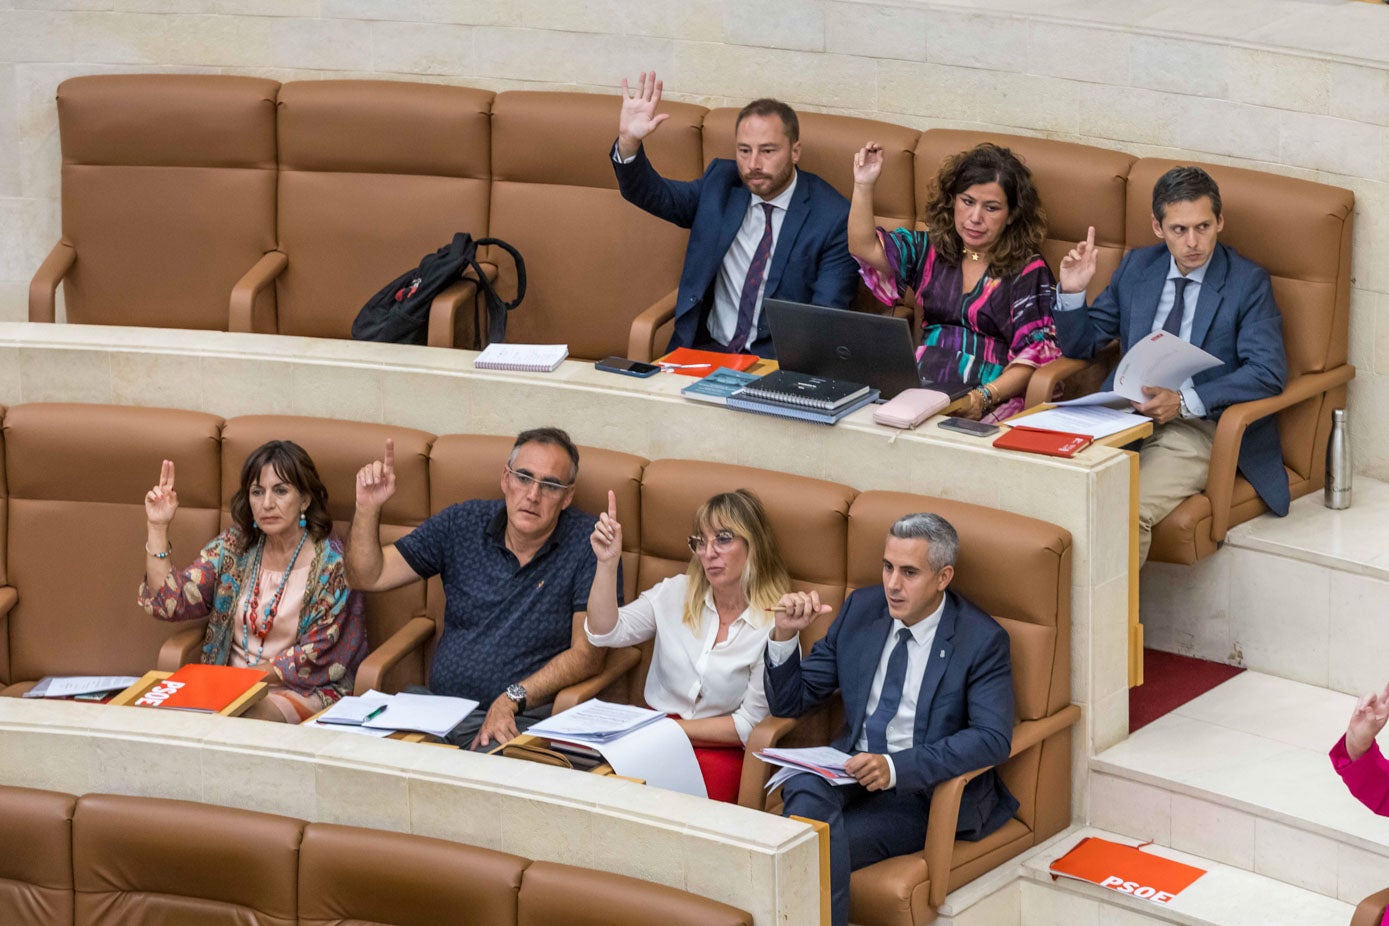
<point x="1338" y="471"/>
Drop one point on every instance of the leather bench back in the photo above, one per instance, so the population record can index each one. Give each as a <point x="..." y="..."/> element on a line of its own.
<point x="36" y="866"/>
<point x="373" y="176"/>
<point x="77" y="477"/>
<point x="593" y="260"/>
<point x="168" y="194"/>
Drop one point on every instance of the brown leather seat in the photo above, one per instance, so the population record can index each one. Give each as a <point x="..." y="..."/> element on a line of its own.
<point x="78" y="616"/>
<point x="373" y="176"/>
<point x="552" y="893"/>
<point x="149" y="860"/>
<point x="1311" y="282"/>
<point x="168" y="198"/>
<point x="36" y="866"/>
<point x="110" y="860"/>
<point x="1370" y="911"/>
<point x="348" y="874"/>
<point x="593" y="260"/>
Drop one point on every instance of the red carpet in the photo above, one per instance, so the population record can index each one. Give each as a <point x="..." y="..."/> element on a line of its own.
<point x="1169" y="681"/>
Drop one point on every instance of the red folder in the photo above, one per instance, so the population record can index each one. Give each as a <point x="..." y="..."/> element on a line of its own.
<point x="1038" y="440"/>
<point x="198" y="687"/>
<point x="1126" y="869"/>
<point x="688" y="355"/>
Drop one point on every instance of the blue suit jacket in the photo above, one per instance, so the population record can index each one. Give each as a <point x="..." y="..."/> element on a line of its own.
<point x="811" y="262"/>
<point x="1236" y="320"/>
<point x="964" y="717"/>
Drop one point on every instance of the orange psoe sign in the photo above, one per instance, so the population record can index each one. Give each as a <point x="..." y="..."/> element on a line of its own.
<point x="1126" y="869"/>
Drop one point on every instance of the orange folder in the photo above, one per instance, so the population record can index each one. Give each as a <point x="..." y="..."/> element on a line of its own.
<point x="1126" y="869"/>
<point x="1038" y="440"/>
<point x="197" y="687"/>
<point x="688" y="355"/>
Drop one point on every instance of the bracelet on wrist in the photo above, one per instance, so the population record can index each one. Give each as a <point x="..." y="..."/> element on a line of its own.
<point x="164" y="555"/>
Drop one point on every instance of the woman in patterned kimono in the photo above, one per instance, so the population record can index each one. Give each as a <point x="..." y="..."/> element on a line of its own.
<point x="985" y="292"/>
<point x="272" y="585"/>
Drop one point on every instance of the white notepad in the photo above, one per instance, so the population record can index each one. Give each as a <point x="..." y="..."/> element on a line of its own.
<point x="531" y="358"/>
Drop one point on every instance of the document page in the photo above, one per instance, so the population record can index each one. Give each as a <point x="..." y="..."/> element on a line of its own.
<point x="426" y="713"/>
<point x="1096" y="420"/>
<point x="658" y="752"/>
<point x="825" y="761"/>
<point x="66" y="687"/>
<point x="595" y="721"/>
<point x="1160" y="359"/>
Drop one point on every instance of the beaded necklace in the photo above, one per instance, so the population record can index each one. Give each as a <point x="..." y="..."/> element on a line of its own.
<point x="250" y="620"/>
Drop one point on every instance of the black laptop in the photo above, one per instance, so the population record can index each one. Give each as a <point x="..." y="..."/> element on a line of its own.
<point x="857" y="347"/>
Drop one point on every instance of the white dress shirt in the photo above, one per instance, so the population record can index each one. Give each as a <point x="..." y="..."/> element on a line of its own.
<point x="1194" y="407"/>
<point x="901" y="727"/>
<point x="690" y="675"/>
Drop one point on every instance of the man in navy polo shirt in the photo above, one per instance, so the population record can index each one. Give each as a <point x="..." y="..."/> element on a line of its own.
<point x="516" y="575"/>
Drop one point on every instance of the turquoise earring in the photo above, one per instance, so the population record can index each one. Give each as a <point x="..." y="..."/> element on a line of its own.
<point x="302" y="522"/>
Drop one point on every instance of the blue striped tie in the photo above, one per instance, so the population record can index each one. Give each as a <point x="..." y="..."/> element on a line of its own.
<point x="756" y="270"/>
<point x="893" y="683"/>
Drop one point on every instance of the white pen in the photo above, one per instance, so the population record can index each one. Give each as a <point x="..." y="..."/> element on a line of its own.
<point x="685" y="366"/>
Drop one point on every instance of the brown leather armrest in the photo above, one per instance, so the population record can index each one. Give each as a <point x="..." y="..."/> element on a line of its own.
<point x="181" y="648"/>
<point x="1047" y="377"/>
<point x="768" y="732"/>
<point x="945" y="799"/>
<point x="641" y="342"/>
<point x="9" y="597"/>
<point x="1229" y="433"/>
<point x="443" y="312"/>
<point x="417" y="632"/>
<point x="1370" y="911"/>
<point x="242" y="314"/>
<point x="619" y="662"/>
<point x="43" y="288"/>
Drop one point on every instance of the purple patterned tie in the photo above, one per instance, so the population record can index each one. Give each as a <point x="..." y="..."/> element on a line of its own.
<point x="748" y="301"/>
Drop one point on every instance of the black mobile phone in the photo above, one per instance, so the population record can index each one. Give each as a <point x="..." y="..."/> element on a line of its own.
<point x="627" y="367"/>
<point x="966" y="426"/>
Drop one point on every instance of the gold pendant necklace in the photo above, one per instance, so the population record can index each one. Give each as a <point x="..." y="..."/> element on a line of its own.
<point x="974" y="255"/>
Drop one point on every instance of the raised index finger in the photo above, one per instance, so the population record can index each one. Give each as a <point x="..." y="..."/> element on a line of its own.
<point x="166" y="475"/>
<point x="612" y="504"/>
<point x="1090" y="239"/>
<point x="390" y="454"/>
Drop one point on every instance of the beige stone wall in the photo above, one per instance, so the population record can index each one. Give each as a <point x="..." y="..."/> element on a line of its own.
<point x="1298" y="87"/>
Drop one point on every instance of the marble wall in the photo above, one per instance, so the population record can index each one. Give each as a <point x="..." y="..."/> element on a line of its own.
<point x="1297" y="87"/>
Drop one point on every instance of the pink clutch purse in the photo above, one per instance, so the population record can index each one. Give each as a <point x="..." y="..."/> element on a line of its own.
<point x="910" y="407"/>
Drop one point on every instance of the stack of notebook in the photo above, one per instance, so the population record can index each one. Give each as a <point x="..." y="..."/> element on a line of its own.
<point x="796" y="395"/>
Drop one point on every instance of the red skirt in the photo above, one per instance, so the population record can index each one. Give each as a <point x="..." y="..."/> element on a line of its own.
<point x="722" y="768"/>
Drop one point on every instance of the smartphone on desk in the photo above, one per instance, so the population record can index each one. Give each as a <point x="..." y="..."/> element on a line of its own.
<point x="966" y="426"/>
<point x="627" y="367"/>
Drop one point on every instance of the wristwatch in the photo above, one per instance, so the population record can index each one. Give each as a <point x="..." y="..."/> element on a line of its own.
<point x="1182" y="410"/>
<point x="517" y="692"/>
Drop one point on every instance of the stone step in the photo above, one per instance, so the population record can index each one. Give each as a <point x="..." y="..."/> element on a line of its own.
<point x="1240" y="776"/>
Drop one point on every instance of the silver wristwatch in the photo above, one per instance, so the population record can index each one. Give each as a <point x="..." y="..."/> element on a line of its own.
<point x="517" y="692"/>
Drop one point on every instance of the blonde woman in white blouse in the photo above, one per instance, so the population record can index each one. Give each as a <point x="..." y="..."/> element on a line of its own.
<point x="710" y="626"/>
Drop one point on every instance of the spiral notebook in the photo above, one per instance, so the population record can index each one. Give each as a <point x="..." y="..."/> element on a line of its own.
<point x="530" y="358"/>
<point x="803" y="391"/>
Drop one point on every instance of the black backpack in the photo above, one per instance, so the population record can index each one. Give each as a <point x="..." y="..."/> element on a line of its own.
<point x="399" y="313"/>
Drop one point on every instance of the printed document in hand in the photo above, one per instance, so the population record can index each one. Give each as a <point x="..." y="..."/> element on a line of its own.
<point x="69" y="686"/>
<point x="825" y="761"/>
<point x="1161" y="359"/>
<point x="595" y="722"/>
<point x="434" y="714"/>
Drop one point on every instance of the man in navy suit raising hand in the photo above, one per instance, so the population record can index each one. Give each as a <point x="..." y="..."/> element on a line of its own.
<point x="928" y="695"/>
<point x="758" y="226"/>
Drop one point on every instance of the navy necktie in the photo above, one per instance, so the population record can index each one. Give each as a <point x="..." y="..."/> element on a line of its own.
<point x="891" y="698"/>
<point x="747" y="303"/>
<point x="1174" y="317"/>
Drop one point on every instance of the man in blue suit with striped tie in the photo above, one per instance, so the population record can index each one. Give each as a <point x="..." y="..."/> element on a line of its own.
<point x="758" y="226"/>
<point x="927" y="687"/>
